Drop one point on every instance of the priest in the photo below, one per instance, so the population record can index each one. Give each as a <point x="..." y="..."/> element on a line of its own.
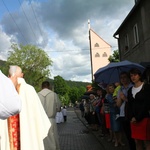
<point x="27" y="130"/>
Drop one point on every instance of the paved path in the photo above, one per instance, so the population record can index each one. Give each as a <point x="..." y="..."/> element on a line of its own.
<point x="74" y="135"/>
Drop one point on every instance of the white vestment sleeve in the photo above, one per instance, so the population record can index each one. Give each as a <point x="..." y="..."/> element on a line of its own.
<point x="10" y="102"/>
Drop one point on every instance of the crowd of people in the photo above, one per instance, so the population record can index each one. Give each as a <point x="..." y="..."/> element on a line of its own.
<point x="28" y="119"/>
<point x="122" y="108"/>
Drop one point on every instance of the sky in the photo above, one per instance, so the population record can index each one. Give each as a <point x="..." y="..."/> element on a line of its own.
<point x="60" y="27"/>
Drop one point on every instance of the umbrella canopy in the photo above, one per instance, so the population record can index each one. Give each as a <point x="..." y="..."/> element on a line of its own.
<point x="85" y="97"/>
<point x="111" y="72"/>
<point x="90" y="92"/>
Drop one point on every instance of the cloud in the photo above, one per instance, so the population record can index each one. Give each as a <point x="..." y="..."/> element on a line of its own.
<point x="65" y="16"/>
<point x="73" y="66"/>
<point x="24" y="25"/>
<point x="5" y="44"/>
<point x="61" y="29"/>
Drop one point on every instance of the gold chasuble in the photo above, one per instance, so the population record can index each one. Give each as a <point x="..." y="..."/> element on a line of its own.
<point x="14" y="132"/>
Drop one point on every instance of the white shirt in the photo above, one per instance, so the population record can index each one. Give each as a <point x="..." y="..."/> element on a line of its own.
<point x="136" y="90"/>
<point x="10" y="102"/>
<point x="125" y="91"/>
<point x="64" y="111"/>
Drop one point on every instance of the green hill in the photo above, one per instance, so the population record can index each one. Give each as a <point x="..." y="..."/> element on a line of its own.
<point x="2" y="63"/>
<point x="73" y="83"/>
<point x="77" y="83"/>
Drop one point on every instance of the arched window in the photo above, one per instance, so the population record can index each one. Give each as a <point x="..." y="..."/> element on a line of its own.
<point x="136" y="34"/>
<point x="96" y="45"/>
<point x="97" y="55"/>
<point x="104" y="54"/>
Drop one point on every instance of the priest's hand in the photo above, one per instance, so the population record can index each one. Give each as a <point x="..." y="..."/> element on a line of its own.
<point x="14" y="80"/>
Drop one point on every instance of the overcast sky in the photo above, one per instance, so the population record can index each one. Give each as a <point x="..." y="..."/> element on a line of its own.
<point x="60" y="27"/>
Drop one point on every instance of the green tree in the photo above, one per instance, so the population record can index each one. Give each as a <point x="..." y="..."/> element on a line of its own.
<point x="73" y="94"/>
<point x="60" y="85"/>
<point x="61" y="88"/>
<point x="81" y="91"/>
<point x="114" y="57"/>
<point x="3" y="67"/>
<point x="65" y="99"/>
<point x="33" y="61"/>
<point x="66" y="92"/>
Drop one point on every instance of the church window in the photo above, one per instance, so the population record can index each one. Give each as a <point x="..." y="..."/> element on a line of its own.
<point x="97" y="55"/>
<point x="104" y="54"/>
<point x="126" y="43"/>
<point x="136" y="35"/>
<point x="96" y="45"/>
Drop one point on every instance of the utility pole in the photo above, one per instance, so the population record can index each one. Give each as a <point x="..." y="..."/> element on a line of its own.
<point x="90" y="50"/>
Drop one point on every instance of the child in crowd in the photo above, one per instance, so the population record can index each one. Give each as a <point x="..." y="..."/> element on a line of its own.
<point x="117" y="110"/>
<point x="64" y="112"/>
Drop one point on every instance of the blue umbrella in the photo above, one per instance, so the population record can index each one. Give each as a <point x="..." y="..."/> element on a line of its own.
<point x="111" y="72"/>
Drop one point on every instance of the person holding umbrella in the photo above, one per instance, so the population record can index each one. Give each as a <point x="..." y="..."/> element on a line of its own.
<point x="121" y="104"/>
<point x="138" y="109"/>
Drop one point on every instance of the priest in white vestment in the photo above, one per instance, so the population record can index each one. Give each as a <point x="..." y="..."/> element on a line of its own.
<point x="34" y="123"/>
<point x="51" y="103"/>
<point x="10" y="102"/>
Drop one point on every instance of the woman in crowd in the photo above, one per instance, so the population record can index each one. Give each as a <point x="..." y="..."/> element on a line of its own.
<point x="87" y="111"/>
<point x="121" y="103"/>
<point x="102" y="93"/>
<point x="115" y="124"/>
<point x="93" y="116"/>
<point x="139" y="110"/>
<point x="107" y="116"/>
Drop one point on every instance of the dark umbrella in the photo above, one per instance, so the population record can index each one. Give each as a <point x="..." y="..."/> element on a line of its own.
<point x="85" y="97"/>
<point x="111" y="72"/>
<point x="90" y="92"/>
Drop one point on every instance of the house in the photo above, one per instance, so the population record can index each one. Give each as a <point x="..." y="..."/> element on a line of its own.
<point x="133" y="35"/>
